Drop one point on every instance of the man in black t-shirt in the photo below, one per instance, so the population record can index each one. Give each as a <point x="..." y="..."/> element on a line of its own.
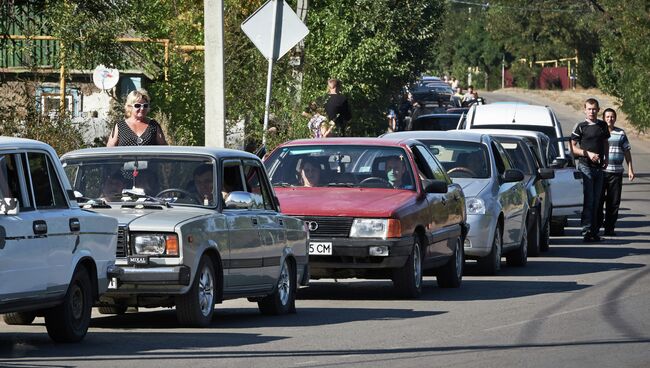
<point x="337" y="107"/>
<point x="589" y="143"/>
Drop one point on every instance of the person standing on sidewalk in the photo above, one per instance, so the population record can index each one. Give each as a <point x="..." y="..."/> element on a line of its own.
<point x="589" y="142"/>
<point x="337" y="107"/>
<point x="619" y="148"/>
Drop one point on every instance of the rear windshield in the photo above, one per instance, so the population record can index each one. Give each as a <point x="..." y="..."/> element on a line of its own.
<point x="461" y="159"/>
<point x="340" y="166"/>
<point x="435" y="123"/>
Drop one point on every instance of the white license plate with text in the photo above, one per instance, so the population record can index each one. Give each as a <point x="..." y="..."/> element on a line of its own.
<point x="320" y="248"/>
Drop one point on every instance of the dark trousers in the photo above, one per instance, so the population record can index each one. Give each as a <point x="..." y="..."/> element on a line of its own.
<point x="592" y="186"/>
<point x="610" y="199"/>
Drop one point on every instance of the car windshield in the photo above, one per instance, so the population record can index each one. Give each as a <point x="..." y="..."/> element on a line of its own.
<point x="128" y="178"/>
<point x="461" y="159"/>
<point x="340" y="166"/>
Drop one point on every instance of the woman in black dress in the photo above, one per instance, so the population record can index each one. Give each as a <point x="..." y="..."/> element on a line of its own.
<point x="137" y="129"/>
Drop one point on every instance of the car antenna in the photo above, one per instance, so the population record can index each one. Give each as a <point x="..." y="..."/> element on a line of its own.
<point x="514" y="117"/>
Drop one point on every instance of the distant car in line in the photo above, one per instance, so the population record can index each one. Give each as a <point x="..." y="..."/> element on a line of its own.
<point x="567" y="201"/>
<point x="55" y="258"/>
<point x="197" y="226"/>
<point x="442" y="121"/>
<point x="376" y="208"/>
<point x="497" y="203"/>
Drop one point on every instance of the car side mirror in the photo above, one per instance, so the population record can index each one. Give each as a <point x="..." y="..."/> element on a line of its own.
<point x="546" y="173"/>
<point x="558" y="163"/>
<point x="434" y="186"/>
<point x="9" y="206"/>
<point x="513" y="175"/>
<point x="239" y="200"/>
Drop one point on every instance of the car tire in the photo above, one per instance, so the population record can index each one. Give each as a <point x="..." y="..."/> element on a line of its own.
<point x="545" y="237"/>
<point x="451" y="274"/>
<point x="196" y="307"/>
<point x="491" y="264"/>
<point x="534" y="238"/>
<point x="283" y="298"/>
<point x="519" y="257"/>
<point x="408" y="279"/>
<point x="118" y="309"/>
<point x="19" y="318"/>
<point x="69" y="321"/>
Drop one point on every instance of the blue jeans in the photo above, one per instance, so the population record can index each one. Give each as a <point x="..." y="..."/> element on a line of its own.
<point x="592" y="186"/>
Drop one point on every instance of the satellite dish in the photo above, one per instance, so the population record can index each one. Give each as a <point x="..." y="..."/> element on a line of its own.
<point x="105" y="78"/>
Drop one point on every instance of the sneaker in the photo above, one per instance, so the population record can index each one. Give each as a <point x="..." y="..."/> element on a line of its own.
<point x="587" y="238"/>
<point x="595" y="238"/>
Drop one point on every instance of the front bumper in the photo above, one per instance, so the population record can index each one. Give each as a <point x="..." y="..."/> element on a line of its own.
<point x="136" y="280"/>
<point x="481" y="232"/>
<point x="353" y="253"/>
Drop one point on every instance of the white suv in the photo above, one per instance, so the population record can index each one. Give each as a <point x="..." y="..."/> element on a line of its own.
<point x="566" y="187"/>
<point x="55" y="258"/>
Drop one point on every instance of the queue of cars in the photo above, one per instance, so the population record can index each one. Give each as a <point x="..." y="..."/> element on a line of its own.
<point x="189" y="227"/>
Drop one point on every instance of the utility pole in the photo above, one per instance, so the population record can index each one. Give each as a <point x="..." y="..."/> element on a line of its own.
<point x="215" y="117"/>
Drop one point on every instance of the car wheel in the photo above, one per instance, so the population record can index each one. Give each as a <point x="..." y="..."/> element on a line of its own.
<point x="491" y="264"/>
<point x="545" y="237"/>
<point x="283" y="298"/>
<point x="196" y="307"/>
<point x="408" y="279"/>
<point x="69" y="321"/>
<point x="19" y="318"/>
<point x="451" y="274"/>
<point x="534" y="238"/>
<point x="519" y="257"/>
<point x="112" y="309"/>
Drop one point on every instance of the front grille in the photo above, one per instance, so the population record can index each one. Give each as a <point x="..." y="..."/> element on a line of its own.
<point x="122" y="241"/>
<point x="338" y="227"/>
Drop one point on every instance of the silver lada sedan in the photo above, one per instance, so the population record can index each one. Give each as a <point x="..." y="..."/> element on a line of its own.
<point x="196" y="226"/>
<point x="496" y="199"/>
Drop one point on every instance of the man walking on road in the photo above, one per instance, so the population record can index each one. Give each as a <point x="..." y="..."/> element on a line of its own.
<point x="619" y="148"/>
<point x="337" y="107"/>
<point x="589" y="142"/>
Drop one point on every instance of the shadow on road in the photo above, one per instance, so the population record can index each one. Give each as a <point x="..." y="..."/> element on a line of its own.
<point x="613" y="249"/>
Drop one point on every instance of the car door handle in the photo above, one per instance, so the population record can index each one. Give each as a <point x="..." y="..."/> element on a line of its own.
<point x="254" y="220"/>
<point x="280" y="222"/>
<point x="39" y="227"/>
<point x="75" y="225"/>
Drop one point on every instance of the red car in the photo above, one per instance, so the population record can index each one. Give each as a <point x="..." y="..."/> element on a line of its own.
<point x="375" y="208"/>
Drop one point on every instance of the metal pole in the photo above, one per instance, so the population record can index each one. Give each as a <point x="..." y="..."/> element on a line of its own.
<point x="62" y="80"/>
<point x="269" y="76"/>
<point x="215" y="119"/>
<point x="503" y="72"/>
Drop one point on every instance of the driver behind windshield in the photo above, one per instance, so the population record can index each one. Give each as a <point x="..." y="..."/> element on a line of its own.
<point x="113" y="186"/>
<point x="204" y="184"/>
<point x="395" y="172"/>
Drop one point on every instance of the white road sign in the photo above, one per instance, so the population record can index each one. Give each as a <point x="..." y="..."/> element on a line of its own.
<point x="258" y="27"/>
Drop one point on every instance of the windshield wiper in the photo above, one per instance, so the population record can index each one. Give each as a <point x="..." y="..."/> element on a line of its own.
<point x="349" y="185"/>
<point x="282" y="184"/>
<point x="94" y="203"/>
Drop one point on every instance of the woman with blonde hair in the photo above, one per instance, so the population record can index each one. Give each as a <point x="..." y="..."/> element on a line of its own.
<point x="137" y="129"/>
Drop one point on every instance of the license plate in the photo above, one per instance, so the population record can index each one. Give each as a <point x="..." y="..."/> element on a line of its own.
<point x="138" y="260"/>
<point x="112" y="284"/>
<point x="320" y="248"/>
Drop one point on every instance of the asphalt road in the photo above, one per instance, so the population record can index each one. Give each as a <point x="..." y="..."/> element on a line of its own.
<point x="580" y="305"/>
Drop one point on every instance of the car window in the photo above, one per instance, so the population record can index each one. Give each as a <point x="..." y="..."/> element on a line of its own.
<point x="460" y="159"/>
<point x="48" y="192"/>
<point x="516" y="153"/>
<point x="437" y="170"/>
<point x="501" y="159"/>
<point x="11" y="185"/>
<point x="256" y="185"/>
<point x="231" y="177"/>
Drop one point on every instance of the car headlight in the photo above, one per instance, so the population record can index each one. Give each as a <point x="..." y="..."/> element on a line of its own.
<point x="155" y="244"/>
<point x="475" y="206"/>
<point x="376" y="228"/>
<point x="369" y="228"/>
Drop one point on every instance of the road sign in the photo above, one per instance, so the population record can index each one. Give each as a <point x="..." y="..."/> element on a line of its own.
<point x="259" y="28"/>
<point x="105" y="78"/>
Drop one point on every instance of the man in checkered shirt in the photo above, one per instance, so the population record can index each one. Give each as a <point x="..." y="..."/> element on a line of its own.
<point x="619" y="148"/>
